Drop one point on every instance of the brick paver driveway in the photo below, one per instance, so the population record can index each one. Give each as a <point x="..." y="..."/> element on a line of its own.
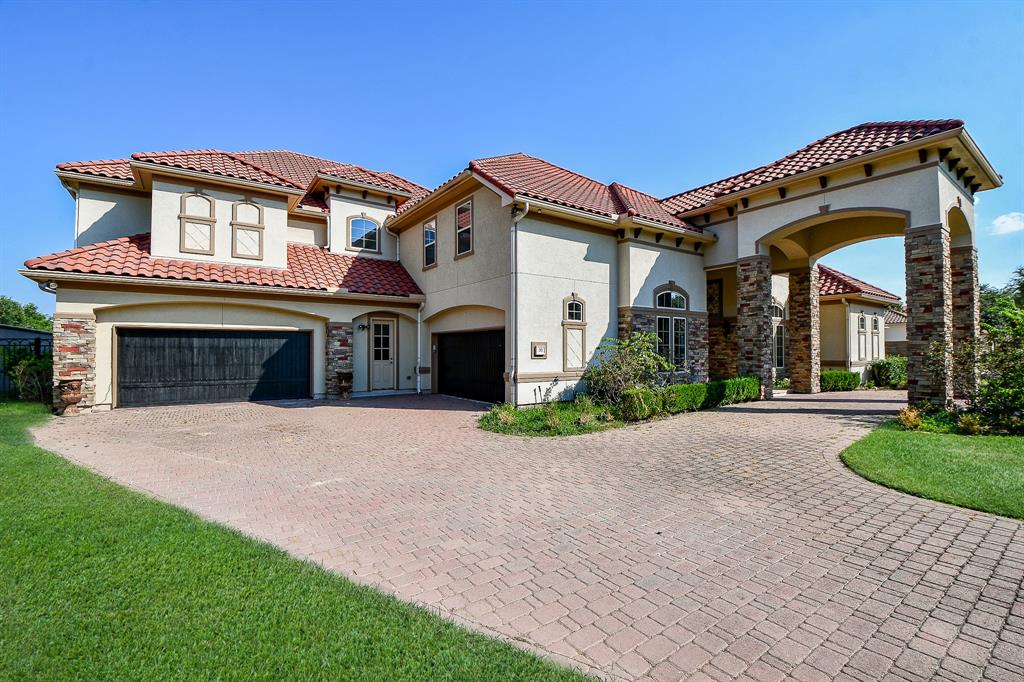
<point x="718" y="544"/>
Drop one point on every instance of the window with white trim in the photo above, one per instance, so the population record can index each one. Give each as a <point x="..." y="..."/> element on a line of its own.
<point x="430" y="243"/>
<point x="363" y="234"/>
<point x="464" y="228"/>
<point x="670" y="299"/>
<point x="574" y="333"/>
<point x="671" y="333"/>
<point x="779" y="347"/>
<point x="198" y="221"/>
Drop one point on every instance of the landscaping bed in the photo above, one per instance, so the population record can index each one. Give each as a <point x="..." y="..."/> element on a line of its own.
<point x="100" y="582"/>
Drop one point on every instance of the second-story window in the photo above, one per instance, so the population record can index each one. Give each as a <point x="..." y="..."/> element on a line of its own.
<point x="430" y="243"/>
<point x="464" y="228"/>
<point x="363" y="234"/>
<point x="246" y="230"/>
<point x="198" y="222"/>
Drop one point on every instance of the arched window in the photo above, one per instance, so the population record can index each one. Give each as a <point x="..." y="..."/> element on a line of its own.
<point x="874" y="323"/>
<point x="862" y="337"/>
<point x="246" y="230"/>
<point x="671" y="299"/>
<point x="671" y="329"/>
<point x="778" y="312"/>
<point x="363" y="234"/>
<point x="198" y="222"/>
<point x="862" y="322"/>
<point x="574" y="333"/>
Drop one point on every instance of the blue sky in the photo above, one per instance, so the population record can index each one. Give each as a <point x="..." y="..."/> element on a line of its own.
<point x="661" y="96"/>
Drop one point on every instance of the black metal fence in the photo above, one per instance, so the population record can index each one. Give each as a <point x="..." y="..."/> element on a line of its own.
<point x="13" y="351"/>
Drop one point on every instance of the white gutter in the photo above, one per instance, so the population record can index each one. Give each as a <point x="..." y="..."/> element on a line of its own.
<point x="513" y="302"/>
<point x="419" y="347"/>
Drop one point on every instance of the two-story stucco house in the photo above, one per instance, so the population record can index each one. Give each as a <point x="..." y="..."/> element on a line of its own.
<point x="211" y="275"/>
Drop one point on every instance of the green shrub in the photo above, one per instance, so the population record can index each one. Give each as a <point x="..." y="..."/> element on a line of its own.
<point x="621" y="364"/>
<point x="783" y="384"/>
<point x="639" y="403"/>
<point x="890" y="371"/>
<point x="684" y="397"/>
<point x="839" y="380"/>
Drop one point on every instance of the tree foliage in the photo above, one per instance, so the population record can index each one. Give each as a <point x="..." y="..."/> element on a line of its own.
<point x="23" y="315"/>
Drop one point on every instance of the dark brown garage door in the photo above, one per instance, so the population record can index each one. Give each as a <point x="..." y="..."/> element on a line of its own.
<point x="472" y="365"/>
<point x="165" y="366"/>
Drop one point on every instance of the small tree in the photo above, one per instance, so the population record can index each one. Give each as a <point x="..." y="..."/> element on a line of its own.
<point x="621" y="364"/>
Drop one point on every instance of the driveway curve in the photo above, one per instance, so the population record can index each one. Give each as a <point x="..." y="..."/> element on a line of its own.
<point x="724" y="544"/>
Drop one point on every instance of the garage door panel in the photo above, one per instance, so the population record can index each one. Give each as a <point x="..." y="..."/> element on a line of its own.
<point x="161" y="366"/>
<point x="472" y="365"/>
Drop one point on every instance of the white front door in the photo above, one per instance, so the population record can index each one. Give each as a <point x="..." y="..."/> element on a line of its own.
<point x="382" y="354"/>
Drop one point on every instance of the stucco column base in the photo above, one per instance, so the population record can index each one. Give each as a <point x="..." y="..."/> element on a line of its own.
<point x="803" y="340"/>
<point x="339" y="360"/>
<point x="74" y="357"/>
<point x="754" y="321"/>
<point x="966" y="313"/>
<point x="929" y="314"/>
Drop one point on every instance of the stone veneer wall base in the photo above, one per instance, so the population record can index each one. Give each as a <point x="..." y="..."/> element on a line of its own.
<point x="74" y="356"/>
<point x="339" y="359"/>
<point x="753" y="319"/>
<point x="929" y="313"/>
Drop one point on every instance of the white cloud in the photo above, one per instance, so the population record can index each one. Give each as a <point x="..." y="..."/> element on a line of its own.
<point x="1008" y="223"/>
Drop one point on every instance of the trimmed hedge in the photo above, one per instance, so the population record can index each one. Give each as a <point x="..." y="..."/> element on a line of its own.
<point x="839" y="380"/>
<point x="692" y="397"/>
<point x="890" y="371"/>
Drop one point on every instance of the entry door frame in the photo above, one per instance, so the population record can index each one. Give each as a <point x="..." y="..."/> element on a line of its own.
<point x="392" y="322"/>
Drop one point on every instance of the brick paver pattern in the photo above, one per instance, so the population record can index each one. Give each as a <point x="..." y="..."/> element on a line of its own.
<point x="725" y="544"/>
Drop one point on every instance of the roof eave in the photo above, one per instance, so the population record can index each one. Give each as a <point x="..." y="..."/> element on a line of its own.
<point x="402" y="220"/>
<point x="161" y="169"/>
<point x="333" y="179"/>
<point x="77" y="177"/>
<point x="39" y="275"/>
<point x="697" y="236"/>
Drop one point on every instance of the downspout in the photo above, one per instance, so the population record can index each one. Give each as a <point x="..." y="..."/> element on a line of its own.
<point x="513" y="299"/>
<point x="419" y="347"/>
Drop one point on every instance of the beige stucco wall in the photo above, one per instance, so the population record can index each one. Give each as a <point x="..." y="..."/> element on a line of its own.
<point x="166" y="229"/>
<point x="350" y="204"/>
<point x="312" y="232"/>
<point x="644" y="266"/>
<point x="874" y="344"/>
<point x="896" y="332"/>
<point x="556" y="261"/>
<point x="138" y="307"/>
<point x="833" y="336"/>
<point x="405" y="354"/>
<point x="104" y="214"/>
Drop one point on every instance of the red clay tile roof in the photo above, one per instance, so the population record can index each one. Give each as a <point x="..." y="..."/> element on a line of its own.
<point x="309" y="267"/>
<point x="895" y="317"/>
<point x="841" y="146"/>
<point x="832" y="282"/>
<point x="528" y="176"/>
<point x="113" y="168"/>
<point x="278" y="167"/>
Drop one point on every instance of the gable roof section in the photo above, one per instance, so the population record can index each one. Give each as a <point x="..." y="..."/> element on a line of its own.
<point x="217" y="162"/>
<point x="311" y="268"/>
<point x="895" y="317"/>
<point x="533" y="178"/>
<point x="841" y="146"/>
<point x="833" y="283"/>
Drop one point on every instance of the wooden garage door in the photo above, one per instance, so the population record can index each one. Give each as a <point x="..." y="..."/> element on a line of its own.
<point x="472" y="365"/>
<point x="164" y="366"/>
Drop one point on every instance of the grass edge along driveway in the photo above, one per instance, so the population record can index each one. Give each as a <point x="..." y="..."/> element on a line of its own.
<point x="100" y="582"/>
<point x="985" y="473"/>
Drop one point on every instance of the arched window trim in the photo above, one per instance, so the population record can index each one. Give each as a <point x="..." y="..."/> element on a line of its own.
<point x="185" y="217"/>
<point x="241" y="225"/>
<point x="862" y="322"/>
<point x="674" y="288"/>
<point x="570" y="327"/>
<point x="875" y="326"/>
<point x="348" y="224"/>
<point x="781" y="311"/>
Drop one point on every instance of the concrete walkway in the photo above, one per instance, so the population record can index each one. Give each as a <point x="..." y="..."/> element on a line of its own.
<point x="726" y="544"/>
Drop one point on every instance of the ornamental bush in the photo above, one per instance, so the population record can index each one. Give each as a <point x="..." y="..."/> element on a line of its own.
<point x="839" y="380"/>
<point x="890" y="372"/>
<point x="638" y="403"/>
<point x="621" y="364"/>
<point x="691" y="397"/>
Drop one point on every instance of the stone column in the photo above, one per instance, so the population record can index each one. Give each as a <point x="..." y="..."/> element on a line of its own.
<point x="803" y="340"/>
<point x="966" y="311"/>
<point x="74" y="355"/>
<point x="697" y="345"/>
<point x="929" y="314"/>
<point x="753" y="319"/>
<point x="339" y="359"/>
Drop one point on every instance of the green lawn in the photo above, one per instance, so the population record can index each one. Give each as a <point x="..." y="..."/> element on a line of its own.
<point x="977" y="472"/>
<point x="98" y="582"/>
<point x="554" y="419"/>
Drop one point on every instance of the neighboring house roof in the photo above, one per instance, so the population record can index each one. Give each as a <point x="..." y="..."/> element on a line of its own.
<point x="833" y="283"/>
<point x="841" y="146"/>
<point x="895" y="317"/>
<point x="277" y="167"/>
<point x="27" y="330"/>
<point x="309" y="268"/>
